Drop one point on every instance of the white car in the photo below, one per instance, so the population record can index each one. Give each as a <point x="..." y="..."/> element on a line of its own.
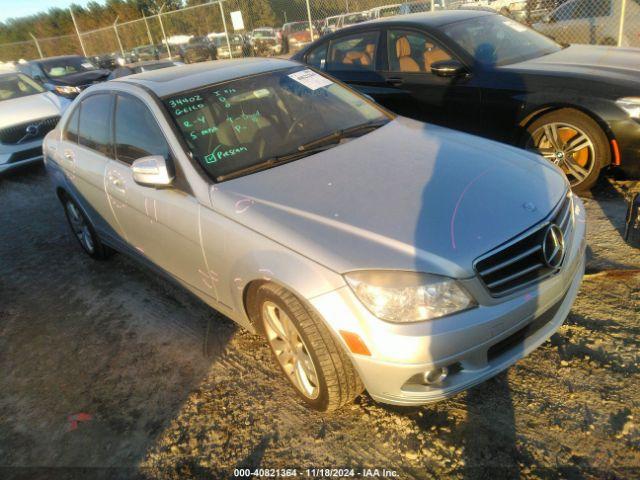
<point x="27" y="113"/>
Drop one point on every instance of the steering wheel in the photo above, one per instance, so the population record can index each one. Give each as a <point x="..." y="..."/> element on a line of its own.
<point x="298" y="123"/>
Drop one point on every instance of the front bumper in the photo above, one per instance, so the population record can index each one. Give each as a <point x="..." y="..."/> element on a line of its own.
<point x="474" y="345"/>
<point x="13" y="156"/>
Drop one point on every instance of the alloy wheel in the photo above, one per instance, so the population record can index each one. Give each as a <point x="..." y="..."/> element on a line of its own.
<point x="80" y="227"/>
<point x="290" y="350"/>
<point x="566" y="146"/>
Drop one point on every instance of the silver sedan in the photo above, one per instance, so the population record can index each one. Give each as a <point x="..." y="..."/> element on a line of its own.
<point x="371" y="251"/>
<point x="27" y="113"/>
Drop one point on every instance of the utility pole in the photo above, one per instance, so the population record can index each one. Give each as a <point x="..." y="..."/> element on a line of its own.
<point x="115" y="29"/>
<point x="75" y="24"/>
<point x="35" y="40"/>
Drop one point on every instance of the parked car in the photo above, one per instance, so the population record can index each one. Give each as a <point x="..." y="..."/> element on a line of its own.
<point x="593" y="21"/>
<point x="401" y="257"/>
<point x="144" y="53"/>
<point x="420" y="6"/>
<point x="329" y="24"/>
<point x="479" y="72"/>
<point x="27" y="113"/>
<point x="266" y="41"/>
<point x="105" y="61"/>
<point x="139" y="67"/>
<point x="240" y="47"/>
<point x="384" y="11"/>
<point x="198" y="49"/>
<point x="65" y="75"/>
<point x="296" y="35"/>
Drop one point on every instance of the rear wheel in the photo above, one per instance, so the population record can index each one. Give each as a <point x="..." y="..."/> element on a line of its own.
<point x="84" y="232"/>
<point x="573" y="141"/>
<point x="306" y="352"/>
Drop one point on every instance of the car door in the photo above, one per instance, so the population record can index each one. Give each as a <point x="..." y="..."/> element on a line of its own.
<point x="414" y="91"/>
<point x="160" y="223"/>
<point x="86" y="150"/>
<point x="352" y="59"/>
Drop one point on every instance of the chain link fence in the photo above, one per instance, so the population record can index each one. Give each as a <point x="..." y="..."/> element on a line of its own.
<point x="280" y="27"/>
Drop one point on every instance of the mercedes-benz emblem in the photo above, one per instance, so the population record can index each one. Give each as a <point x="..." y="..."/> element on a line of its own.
<point x="553" y="246"/>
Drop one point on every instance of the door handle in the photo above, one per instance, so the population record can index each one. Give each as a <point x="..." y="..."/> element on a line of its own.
<point x="68" y="154"/>
<point x="395" y="81"/>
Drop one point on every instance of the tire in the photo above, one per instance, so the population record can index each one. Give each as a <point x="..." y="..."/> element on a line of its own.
<point x="336" y="380"/>
<point x="84" y="232"/>
<point x="582" y="166"/>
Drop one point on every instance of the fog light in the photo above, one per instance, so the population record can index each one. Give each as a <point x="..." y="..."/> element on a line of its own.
<point x="435" y="375"/>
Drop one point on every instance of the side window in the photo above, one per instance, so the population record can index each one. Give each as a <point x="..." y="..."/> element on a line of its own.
<point x="355" y="52"/>
<point x="95" y="123"/>
<point x="71" y="131"/>
<point x="318" y="56"/>
<point x="136" y="132"/>
<point x="413" y="52"/>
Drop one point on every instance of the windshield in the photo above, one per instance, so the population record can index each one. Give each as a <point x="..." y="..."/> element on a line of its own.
<point x="494" y="40"/>
<point x="18" y="85"/>
<point x="60" y="67"/>
<point x="240" y="124"/>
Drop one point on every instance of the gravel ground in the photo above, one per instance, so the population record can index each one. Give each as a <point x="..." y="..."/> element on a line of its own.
<point x="111" y="372"/>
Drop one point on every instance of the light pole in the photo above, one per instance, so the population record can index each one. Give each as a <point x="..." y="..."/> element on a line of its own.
<point x="226" y="32"/>
<point x="146" y="24"/>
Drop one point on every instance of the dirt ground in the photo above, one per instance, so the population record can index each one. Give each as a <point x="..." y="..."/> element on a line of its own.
<point x="108" y="372"/>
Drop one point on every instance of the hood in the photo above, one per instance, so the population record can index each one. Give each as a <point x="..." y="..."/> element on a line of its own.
<point x="31" y="107"/>
<point x="81" y="78"/>
<point x="408" y="196"/>
<point x="610" y="64"/>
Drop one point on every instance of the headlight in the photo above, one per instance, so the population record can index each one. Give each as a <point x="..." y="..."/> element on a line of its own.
<point x="403" y="297"/>
<point x="66" y="89"/>
<point x="631" y="105"/>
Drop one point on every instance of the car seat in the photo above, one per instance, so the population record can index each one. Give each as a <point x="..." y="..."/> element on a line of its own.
<point x="403" y="51"/>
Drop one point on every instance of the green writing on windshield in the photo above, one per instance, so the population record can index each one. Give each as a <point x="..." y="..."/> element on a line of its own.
<point x="219" y="153"/>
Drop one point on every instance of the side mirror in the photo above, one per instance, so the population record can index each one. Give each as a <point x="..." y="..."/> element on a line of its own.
<point x="448" y="68"/>
<point x="151" y="171"/>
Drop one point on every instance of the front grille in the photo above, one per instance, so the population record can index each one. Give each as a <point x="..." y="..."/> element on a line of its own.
<point x="28" y="131"/>
<point x="520" y="262"/>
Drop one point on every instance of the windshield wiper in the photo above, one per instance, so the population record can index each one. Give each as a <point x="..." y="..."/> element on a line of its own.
<point x="304" y="150"/>
<point x="338" y="135"/>
<point x="272" y="162"/>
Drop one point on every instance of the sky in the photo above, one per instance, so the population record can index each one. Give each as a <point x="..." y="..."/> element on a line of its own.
<point x="22" y="8"/>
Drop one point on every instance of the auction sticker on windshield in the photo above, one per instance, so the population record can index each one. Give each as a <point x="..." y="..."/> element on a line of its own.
<point x="310" y="79"/>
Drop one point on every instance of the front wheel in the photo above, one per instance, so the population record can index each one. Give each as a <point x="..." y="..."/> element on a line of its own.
<point x="573" y="141"/>
<point x="314" y="363"/>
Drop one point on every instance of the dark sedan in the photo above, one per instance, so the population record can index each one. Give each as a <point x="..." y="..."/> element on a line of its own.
<point x="198" y="49"/>
<point x="578" y="106"/>
<point x="66" y="75"/>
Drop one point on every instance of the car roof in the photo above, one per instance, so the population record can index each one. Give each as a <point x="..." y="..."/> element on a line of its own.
<point x="430" y="19"/>
<point x="172" y="80"/>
